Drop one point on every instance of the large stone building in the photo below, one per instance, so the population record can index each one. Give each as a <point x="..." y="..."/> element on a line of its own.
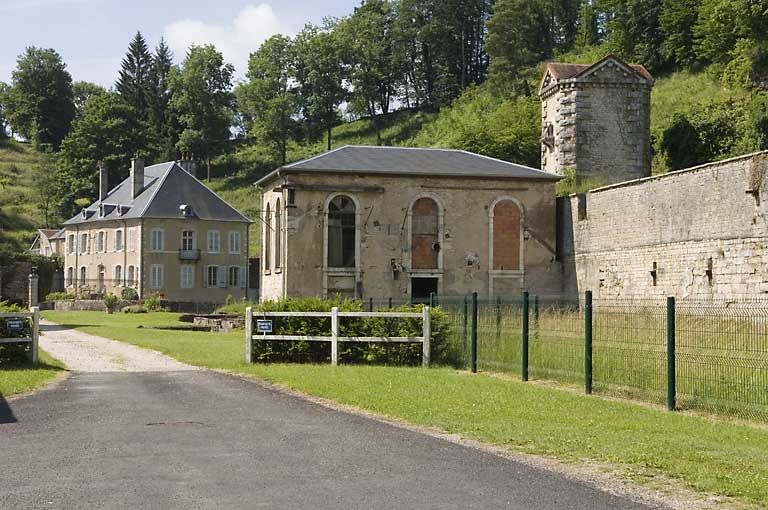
<point x="399" y="222"/>
<point x="596" y="120"/>
<point x="161" y="231"/>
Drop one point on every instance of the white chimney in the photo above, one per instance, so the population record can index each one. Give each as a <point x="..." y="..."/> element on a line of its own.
<point x="137" y="177"/>
<point x="103" y="182"/>
<point x="190" y="165"/>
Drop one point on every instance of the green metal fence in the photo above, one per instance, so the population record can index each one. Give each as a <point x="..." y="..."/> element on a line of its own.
<point x="709" y="356"/>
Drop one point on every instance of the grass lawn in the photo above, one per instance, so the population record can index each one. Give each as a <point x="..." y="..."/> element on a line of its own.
<point x="638" y="442"/>
<point x="21" y="378"/>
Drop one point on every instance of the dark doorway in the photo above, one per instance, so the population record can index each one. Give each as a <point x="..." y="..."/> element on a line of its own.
<point x="421" y="288"/>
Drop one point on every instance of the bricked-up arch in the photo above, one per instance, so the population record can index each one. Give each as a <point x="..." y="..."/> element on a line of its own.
<point x="425" y="234"/>
<point x="507" y="229"/>
<point x="341" y="232"/>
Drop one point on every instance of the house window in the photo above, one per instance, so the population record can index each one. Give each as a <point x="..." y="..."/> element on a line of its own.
<point x="157" y="239"/>
<point x="291" y="197"/>
<point x="130" y="277"/>
<point x="214" y="241"/>
<point x="84" y="243"/>
<point x="506" y="222"/>
<point x="278" y="236"/>
<point x="83" y="275"/>
<point x="101" y="241"/>
<point x="188" y="240"/>
<point x="156" y="276"/>
<point x="424" y="234"/>
<point x="187" y="276"/>
<point x="341" y="232"/>
<point x="234" y="276"/>
<point x="215" y="276"/>
<point x="118" y="240"/>
<point x="71" y="244"/>
<point x="268" y="239"/>
<point x="131" y="239"/>
<point x="70" y="276"/>
<point x="118" y="275"/>
<point x="234" y="242"/>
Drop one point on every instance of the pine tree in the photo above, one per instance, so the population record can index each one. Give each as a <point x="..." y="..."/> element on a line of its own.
<point x="161" y="118"/>
<point x="134" y="85"/>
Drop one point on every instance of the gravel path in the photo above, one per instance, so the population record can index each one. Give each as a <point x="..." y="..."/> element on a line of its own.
<point x="81" y="352"/>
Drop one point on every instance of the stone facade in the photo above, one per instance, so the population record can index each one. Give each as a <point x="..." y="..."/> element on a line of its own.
<point x="596" y="121"/>
<point x="697" y="233"/>
<point x="409" y="229"/>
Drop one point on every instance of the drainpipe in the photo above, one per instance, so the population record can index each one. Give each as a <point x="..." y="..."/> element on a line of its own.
<point x="140" y="265"/>
<point x="125" y="253"/>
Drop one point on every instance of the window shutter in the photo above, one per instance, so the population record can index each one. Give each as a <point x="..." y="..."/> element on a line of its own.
<point x="221" y="276"/>
<point x="243" y="273"/>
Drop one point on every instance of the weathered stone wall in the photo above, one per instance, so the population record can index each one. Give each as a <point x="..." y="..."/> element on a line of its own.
<point x="14" y="283"/>
<point x="696" y="233"/>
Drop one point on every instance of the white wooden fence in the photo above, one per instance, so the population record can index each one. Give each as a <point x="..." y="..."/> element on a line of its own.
<point x="334" y="337"/>
<point x="18" y="320"/>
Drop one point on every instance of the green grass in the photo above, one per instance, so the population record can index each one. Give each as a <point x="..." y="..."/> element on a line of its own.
<point x="19" y="215"/>
<point x="16" y="379"/>
<point x="640" y="443"/>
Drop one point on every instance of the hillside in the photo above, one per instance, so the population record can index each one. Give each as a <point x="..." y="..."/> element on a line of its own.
<point x="19" y="216"/>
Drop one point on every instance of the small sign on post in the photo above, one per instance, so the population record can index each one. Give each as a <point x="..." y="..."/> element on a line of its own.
<point x="14" y="323"/>
<point x="264" y="326"/>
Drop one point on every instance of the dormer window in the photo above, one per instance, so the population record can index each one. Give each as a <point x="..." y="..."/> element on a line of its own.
<point x="186" y="210"/>
<point x="84" y="214"/>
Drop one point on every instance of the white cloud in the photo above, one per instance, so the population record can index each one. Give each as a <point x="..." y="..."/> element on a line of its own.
<point x="236" y="40"/>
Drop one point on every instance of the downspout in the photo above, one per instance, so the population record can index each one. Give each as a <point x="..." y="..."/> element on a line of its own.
<point x="247" y="260"/>
<point x="125" y="253"/>
<point x="140" y="277"/>
<point x="77" y="258"/>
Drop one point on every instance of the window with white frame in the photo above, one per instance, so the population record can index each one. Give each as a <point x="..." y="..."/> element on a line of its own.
<point x="70" y="276"/>
<point x="187" y="276"/>
<point x="156" y="276"/>
<point x="188" y="240"/>
<point x="234" y="276"/>
<point x="118" y="275"/>
<point x="83" y="275"/>
<point x="234" y="242"/>
<point x="131" y="239"/>
<point x="130" y="276"/>
<point x="84" y="243"/>
<point x="71" y="242"/>
<point x="157" y="239"/>
<point x="101" y="241"/>
<point x="212" y="276"/>
<point x="214" y="241"/>
<point x="118" y="240"/>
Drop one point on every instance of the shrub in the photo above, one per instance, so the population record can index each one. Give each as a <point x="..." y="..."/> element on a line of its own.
<point x="11" y="352"/>
<point x="129" y="294"/>
<point x="59" y="296"/>
<point x="152" y="303"/>
<point x="352" y="352"/>
<point x="134" y="309"/>
<point x="110" y="301"/>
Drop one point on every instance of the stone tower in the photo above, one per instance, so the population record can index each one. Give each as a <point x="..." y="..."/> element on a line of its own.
<point x="596" y="120"/>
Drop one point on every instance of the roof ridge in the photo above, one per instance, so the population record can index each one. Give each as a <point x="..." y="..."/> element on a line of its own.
<point x="505" y="162"/>
<point x="157" y="188"/>
<point x="290" y="165"/>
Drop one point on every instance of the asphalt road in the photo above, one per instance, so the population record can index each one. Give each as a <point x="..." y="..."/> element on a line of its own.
<point x="198" y="439"/>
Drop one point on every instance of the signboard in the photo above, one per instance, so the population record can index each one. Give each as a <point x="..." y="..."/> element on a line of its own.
<point x="14" y="323"/>
<point x="264" y="326"/>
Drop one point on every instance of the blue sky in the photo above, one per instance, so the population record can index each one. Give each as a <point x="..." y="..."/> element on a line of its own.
<point x="92" y="36"/>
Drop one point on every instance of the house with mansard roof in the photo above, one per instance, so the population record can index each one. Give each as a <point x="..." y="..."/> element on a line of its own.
<point x="160" y="231"/>
<point x="379" y="222"/>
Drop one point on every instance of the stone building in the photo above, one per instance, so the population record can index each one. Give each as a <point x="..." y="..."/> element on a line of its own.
<point x="401" y="222"/>
<point x="595" y="120"/>
<point x="48" y="243"/>
<point x="161" y="231"/>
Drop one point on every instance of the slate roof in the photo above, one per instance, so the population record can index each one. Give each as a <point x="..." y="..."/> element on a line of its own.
<point x="373" y="160"/>
<point x="563" y="71"/>
<point x="167" y="187"/>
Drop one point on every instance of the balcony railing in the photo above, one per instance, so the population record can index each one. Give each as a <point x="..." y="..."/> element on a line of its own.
<point x="189" y="254"/>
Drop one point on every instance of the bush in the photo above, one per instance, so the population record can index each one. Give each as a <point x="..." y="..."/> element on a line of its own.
<point x="59" y="296"/>
<point x="13" y="353"/>
<point x="129" y="294"/>
<point x="352" y="352"/>
<point x="134" y="309"/>
<point x="152" y="303"/>
<point x="110" y="301"/>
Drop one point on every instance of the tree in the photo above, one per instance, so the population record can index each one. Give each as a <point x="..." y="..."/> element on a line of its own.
<point x="134" y="84"/>
<point x="319" y="73"/>
<point x="268" y="100"/>
<point x="161" y="117"/>
<point x="203" y="101"/>
<point x="45" y="181"/>
<point x="83" y="91"/>
<point x="4" y="87"/>
<point x="676" y="21"/>
<point x="40" y="104"/>
<point x="108" y="132"/>
<point x="515" y="34"/>
<point x="633" y="31"/>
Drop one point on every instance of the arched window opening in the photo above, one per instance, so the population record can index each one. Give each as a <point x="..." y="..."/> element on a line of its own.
<point x="506" y="236"/>
<point x="278" y="236"/>
<point x="341" y="232"/>
<point x="425" y="245"/>
<point x="267" y="239"/>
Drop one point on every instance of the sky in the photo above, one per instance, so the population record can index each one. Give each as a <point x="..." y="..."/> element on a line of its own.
<point x="92" y="36"/>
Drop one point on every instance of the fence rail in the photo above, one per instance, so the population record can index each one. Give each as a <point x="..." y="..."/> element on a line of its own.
<point x="334" y="338"/>
<point x="21" y="327"/>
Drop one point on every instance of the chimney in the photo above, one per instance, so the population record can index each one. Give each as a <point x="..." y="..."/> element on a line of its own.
<point x="189" y="164"/>
<point x="137" y="177"/>
<point x="103" y="182"/>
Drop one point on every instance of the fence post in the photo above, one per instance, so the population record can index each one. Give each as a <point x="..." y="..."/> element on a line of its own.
<point x="390" y="302"/>
<point x="431" y="299"/>
<point x="473" y="336"/>
<point x="335" y="335"/>
<point x="249" y="335"/>
<point x="535" y="316"/>
<point x="526" y="304"/>
<point x="588" y="342"/>
<point x="498" y="316"/>
<point x="35" y="332"/>
<point x="370" y="304"/>
<point x="671" y="382"/>
<point x="427" y="334"/>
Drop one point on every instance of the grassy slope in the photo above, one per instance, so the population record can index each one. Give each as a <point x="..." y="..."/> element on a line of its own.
<point x="18" y="215"/>
<point x="22" y="378"/>
<point x="637" y="442"/>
